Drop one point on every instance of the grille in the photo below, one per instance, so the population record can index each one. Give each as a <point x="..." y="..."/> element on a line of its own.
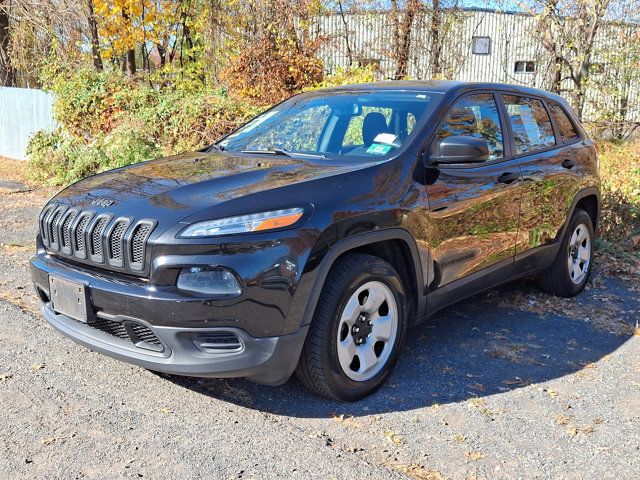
<point x="82" y="235"/>
<point x="144" y="334"/>
<point x="140" y="335"/>
<point x="220" y="342"/>
<point x="66" y="234"/>
<point x="44" y="226"/>
<point x="96" y="237"/>
<point x="115" y="241"/>
<point x="79" y="235"/>
<point x="138" y="240"/>
<point x="54" y="226"/>
<point x="117" y="329"/>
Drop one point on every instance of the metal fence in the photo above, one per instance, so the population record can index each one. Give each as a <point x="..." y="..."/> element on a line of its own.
<point x="22" y="113"/>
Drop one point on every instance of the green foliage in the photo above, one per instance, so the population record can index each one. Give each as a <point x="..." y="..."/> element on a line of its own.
<point x="107" y="120"/>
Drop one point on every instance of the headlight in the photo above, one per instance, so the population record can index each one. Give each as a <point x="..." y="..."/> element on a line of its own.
<point x="244" y="223"/>
<point x="209" y="281"/>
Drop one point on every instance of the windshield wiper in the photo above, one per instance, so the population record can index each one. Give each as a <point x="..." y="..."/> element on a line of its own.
<point x="282" y="151"/>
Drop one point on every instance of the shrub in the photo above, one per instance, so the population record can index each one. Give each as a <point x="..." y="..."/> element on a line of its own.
<point x="620" y="172"/>
<point x="107" y="120"/>
<point x="347" y="76"/>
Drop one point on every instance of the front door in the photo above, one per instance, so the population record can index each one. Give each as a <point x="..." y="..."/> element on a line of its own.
<point x="473" y="208"/>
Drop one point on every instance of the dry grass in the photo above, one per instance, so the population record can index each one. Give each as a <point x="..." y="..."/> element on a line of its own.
<point x="620" y="173"/>
<point x="13" y="170"/>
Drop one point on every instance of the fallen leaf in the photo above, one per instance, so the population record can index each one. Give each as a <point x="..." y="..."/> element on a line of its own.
<point x="166" y="410"/>
<point x="36" y="367"/>
<point x="475" y="455"/>
<point x="394" y="437"/>
<point x="416" y="471"/>
<point x="460" y="438"/>
<point x="347" y="420"/>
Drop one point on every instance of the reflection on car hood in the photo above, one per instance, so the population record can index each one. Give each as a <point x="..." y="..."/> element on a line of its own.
<point x="172" y="188"/>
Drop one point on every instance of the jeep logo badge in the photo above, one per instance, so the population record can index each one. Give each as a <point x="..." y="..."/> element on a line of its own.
<point x="102" y="202"/>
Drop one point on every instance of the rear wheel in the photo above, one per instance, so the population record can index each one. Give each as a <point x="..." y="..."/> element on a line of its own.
<point x="569" y="272"/>
<point x="357" y="330"/>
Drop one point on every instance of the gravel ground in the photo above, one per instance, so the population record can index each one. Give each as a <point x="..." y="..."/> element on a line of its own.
<point x="508" y="384"/>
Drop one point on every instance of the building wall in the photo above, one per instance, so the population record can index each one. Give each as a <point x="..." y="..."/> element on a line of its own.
<point x="512" y="39"/>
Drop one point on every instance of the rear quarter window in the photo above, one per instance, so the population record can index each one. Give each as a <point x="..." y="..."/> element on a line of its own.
<point x="564" y="123"/>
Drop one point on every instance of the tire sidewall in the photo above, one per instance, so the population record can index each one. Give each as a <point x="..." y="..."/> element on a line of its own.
<point x="375" y="271"/>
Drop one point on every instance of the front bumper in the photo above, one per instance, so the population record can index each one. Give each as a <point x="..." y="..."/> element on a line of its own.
<point x="191" y="337"/>
<point x="267" y="360"/>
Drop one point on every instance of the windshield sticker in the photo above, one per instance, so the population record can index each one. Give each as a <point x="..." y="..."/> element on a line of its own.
<point x="387" y="138"/>
<point x="378" y="149"/>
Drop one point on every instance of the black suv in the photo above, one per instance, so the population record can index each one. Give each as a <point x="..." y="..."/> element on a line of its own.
<point x="310" y="239"/>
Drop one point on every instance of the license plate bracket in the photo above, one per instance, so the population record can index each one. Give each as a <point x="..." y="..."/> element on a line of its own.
<point x="69" y="298"/>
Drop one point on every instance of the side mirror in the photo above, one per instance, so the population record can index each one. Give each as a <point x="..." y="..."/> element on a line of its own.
<point x="460" y="149"/>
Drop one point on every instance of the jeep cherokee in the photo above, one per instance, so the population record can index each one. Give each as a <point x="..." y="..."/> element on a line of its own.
<point x="314" y="236"/>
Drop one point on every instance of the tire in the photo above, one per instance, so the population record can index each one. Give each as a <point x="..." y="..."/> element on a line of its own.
<point x="346" y="314"/>
<point x="576" y="250"/>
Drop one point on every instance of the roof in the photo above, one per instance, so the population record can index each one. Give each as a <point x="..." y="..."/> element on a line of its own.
<point x="442" y="86"/>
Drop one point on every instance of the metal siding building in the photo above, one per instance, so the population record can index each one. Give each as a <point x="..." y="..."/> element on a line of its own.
<point x="512" y="38"/>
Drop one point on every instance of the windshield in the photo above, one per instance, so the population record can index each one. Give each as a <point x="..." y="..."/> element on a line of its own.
<point x="353" y="124"/>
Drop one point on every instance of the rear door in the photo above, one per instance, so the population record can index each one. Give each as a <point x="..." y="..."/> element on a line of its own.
<point x="473" y="208"/>
<point x="549" y="174"/>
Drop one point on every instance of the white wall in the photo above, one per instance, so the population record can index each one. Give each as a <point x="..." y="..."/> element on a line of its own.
<point x="22" y="113"/>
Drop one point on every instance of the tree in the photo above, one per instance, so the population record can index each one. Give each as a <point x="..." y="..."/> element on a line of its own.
<point x="95" y="39"/>
<point x="274" y="53"/>
<point x="568" y="32"/>
<point x="436" y="39"/>
<point x="7" y="72"/>
<point x="402" y="18"/>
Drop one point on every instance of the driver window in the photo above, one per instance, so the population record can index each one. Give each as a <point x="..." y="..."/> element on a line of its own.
<point x="475" y="116"/>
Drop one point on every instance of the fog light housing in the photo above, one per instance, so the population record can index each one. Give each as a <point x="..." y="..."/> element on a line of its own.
<point x="214" y="281"/>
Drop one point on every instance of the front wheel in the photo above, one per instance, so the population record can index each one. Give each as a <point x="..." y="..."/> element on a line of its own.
<point x="357" y="330"/>
<point x="569" y="272"/>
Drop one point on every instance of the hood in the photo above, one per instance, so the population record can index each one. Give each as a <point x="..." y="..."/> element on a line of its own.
<point x="173" y="188"/>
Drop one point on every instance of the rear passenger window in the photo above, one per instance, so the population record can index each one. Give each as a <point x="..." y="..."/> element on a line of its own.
<point x="530" y="123"/>
<point x="567" y="130"/>
<point x="475" y="116"/>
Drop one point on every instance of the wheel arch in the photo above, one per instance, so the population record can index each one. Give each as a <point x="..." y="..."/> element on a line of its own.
<point x="394" y="245"/>
<point x="588" y="200"/>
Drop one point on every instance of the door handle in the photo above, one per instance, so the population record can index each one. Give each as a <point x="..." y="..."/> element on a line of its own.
<point x="508" y="177"/>
<point x="568" y="163"/>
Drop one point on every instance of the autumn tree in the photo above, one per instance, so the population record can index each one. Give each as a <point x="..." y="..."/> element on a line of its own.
<point x="274" y="53"/>
<point x="402" y="16"/>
